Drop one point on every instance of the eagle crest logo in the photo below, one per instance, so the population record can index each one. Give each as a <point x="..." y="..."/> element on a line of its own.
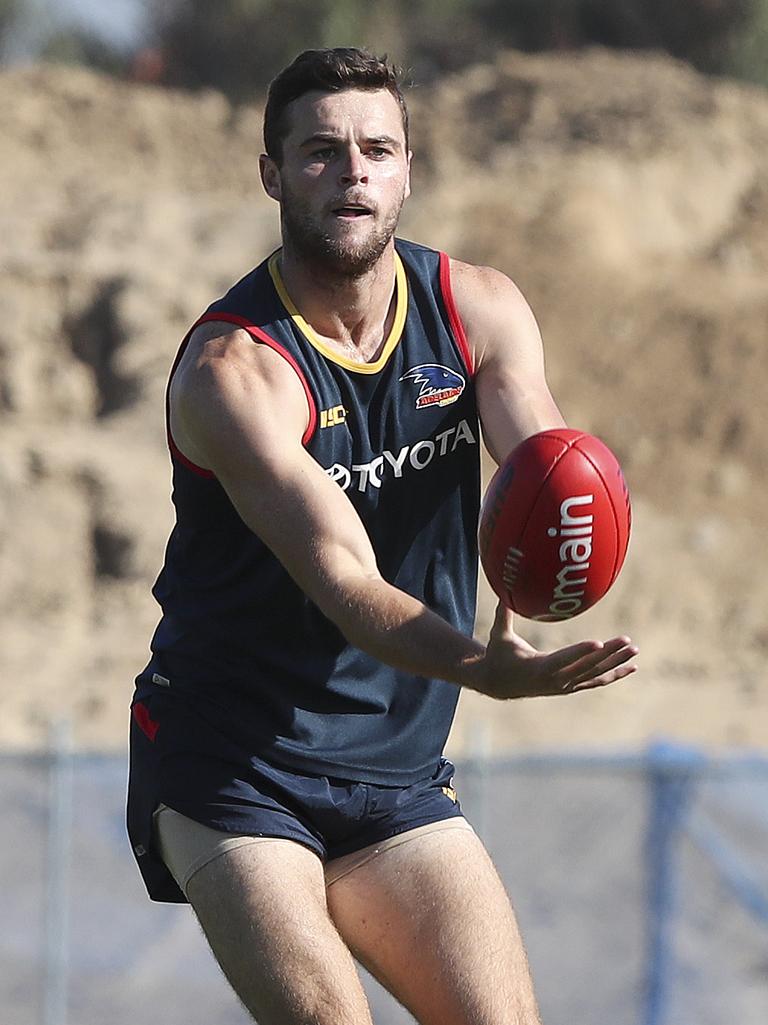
<point x="438" y="385"/>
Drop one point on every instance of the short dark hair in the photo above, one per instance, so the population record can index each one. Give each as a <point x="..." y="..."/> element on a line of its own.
<point x="327" y="71"/>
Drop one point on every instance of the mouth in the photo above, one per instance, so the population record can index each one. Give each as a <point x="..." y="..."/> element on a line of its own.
<point x="351" y="211"/>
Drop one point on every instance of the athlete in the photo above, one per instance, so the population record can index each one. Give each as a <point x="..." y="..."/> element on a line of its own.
<point x="287" y="776"/>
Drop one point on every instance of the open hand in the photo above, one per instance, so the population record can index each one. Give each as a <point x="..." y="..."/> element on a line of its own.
<point x="512" y="668"/>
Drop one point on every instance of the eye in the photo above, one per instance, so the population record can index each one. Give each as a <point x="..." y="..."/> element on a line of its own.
<point x="324" y="153"/>
<point x="378" y="152"/>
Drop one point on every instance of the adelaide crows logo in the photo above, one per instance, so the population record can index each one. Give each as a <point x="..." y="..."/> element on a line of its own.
<point x="438" y="386"/>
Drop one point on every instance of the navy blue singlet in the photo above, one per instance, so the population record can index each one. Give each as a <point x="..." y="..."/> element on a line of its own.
<point x="400" y="436"/>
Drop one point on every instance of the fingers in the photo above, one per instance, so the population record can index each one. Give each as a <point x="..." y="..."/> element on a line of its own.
<point x="597" y="666"/>
<point x="575" y="657"/>
<point x="601" y="667"/>
<point x="602" y="680"/>
<point x="596" y="654"/>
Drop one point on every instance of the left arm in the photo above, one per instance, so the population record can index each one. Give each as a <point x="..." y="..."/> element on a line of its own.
<point x="514" y="402"/>
<point x="513" y="398"/>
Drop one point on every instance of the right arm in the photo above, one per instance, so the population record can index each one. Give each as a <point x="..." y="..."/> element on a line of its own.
<point x="239" y="410"/>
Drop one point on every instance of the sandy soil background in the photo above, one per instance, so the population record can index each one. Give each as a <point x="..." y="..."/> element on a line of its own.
<point x="627" y="196"/>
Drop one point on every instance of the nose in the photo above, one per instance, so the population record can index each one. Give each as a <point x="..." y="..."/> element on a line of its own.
<point x="353" y="170"/>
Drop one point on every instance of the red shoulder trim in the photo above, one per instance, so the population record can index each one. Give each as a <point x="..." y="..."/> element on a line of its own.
<point x="260" y="336"/>
<point x="174" y="449"/>
<point x="453" y="314"/>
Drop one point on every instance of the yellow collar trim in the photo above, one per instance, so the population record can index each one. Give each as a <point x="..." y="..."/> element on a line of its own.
<point x="401" y="309"/>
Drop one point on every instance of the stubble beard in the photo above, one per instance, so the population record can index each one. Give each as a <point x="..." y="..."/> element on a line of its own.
<point x="334" y="256"/>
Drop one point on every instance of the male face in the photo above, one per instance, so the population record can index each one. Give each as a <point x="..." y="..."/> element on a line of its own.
<point x="342" y="179"/>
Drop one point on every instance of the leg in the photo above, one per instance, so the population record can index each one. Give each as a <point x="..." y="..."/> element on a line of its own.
<point x="263" y="910"/>
<point x="431" y="920"/>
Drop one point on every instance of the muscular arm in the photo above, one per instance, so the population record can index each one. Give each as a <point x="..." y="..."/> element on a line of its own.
<point x="512" y="393"/>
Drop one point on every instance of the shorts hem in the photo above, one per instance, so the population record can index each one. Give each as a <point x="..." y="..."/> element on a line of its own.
<point x="338" y="868"/>
<point x="217" y="842"/>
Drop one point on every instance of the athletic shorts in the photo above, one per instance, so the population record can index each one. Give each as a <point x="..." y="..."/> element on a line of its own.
<point x="187" y="846"/>
<point x="180" y="761"/>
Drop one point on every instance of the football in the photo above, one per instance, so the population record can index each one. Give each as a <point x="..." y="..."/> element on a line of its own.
<point x="554" y="525"/>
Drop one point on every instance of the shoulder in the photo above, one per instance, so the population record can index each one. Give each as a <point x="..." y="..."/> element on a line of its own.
<point x="219" y="352"/>
<point x="225" y="367"/>
<point x="493" y="310"/>
<point x="477" y="278"/>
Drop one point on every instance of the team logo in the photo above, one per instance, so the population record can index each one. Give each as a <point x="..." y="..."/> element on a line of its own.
<point x="438" y="386"/>
<point x="333" y="417"/>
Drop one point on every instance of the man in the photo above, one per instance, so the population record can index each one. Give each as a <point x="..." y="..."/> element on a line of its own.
<point x="318" y="592"/>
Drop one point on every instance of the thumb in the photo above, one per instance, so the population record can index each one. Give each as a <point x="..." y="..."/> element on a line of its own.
<point x="503" y="632"/>
<point x="503" y="622"/>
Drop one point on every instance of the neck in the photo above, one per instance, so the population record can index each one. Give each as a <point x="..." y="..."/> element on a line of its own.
<point x="352" y="314"/>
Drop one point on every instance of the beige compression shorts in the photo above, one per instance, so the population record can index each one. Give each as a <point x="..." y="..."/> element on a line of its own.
<point x="187" y="846"/>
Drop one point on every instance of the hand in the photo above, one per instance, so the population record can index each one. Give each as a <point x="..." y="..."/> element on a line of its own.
<point x="512" y="668"/>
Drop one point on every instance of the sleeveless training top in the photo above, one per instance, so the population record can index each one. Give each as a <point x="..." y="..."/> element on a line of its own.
<point x="400" y="436"/>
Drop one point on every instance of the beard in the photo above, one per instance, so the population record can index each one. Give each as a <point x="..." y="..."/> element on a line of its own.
<point x="334" y="255"/>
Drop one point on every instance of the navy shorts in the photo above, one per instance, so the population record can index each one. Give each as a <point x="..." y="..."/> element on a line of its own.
<point x="180" y="760"/>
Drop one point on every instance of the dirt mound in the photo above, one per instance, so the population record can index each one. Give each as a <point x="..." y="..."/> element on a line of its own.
<point x="627" y="196"/>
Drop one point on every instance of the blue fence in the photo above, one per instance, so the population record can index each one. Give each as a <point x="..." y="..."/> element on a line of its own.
<point x="640" y="882"/>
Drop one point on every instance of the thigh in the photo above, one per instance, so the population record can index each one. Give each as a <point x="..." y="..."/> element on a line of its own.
<point x="263" y="910"/>
<point x="431" y="920"/>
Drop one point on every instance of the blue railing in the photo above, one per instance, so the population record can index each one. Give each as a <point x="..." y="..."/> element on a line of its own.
<point x="640" y="879"/>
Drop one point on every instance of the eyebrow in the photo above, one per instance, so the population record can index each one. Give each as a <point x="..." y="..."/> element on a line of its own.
<point x="384" y="138"/>
<point x="333" y="137"/>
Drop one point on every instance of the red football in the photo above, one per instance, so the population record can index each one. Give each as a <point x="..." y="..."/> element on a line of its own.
<point x="554" y="525"/>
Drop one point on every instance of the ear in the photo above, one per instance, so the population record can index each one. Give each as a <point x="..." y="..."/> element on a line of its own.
<point x="270" y="177"/>
<point x="408" y="176"/>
